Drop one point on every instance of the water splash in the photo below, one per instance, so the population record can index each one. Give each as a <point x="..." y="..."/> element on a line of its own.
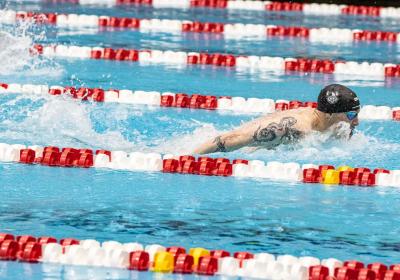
<point x="15" y="45"/>
<point x="330" y="147"/>
<point x="185" y="144"/>
<point x="326" y="148"/>
<point x="59" y="121"/>
<point x="48" y="120"/>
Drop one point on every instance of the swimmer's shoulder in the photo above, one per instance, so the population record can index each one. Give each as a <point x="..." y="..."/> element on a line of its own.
<point x="299" y="112"/>
<point x="301" y="117"/>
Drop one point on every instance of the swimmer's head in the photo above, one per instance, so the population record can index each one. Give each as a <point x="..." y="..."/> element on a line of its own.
<point x="340" y="103"/>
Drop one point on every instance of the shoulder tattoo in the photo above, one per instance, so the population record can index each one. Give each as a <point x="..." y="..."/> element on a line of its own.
<point x="283" y="130"/>
<point x="220" y="144"/>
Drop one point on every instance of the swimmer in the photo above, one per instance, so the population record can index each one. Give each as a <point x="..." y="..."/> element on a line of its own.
<point x="336" y="104"/>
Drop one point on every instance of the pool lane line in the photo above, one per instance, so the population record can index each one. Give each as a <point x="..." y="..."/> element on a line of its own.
<point x="251" y="63"/>
<point x="224" y="104"/>
<point x="267" y="6"/>
<point x="176" y="259"/>
<point x="204" y="165"/>
<point x="229" y="30"/>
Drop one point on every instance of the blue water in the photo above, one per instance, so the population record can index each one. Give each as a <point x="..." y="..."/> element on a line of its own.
<point x="191" y="211"/>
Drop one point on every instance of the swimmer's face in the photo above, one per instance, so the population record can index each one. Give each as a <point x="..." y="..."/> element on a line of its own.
<point x="348" y="117"/>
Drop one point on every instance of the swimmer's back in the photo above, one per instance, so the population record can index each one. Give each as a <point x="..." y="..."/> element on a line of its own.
<point x="297" y="118"/>
<point x="268" y="131"/>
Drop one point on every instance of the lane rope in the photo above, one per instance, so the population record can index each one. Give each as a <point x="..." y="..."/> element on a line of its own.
<point x="373" y="70"/>
<point x="231" y="31"/>
<point x="176" y="259"/>
<point x="224" y="104"/>
<point x="204" y="165"/>
<point x="268" y="6"/>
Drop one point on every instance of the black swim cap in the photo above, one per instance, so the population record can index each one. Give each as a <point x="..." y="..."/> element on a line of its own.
<point x="336" y="98"/>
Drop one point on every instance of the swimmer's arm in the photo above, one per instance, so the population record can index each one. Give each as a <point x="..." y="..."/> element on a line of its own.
<point x="225" y="142"/>
<point x="255" y="134"/>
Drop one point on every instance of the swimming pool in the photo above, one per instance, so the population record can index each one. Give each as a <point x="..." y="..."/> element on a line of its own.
<point x="192" y="211"/>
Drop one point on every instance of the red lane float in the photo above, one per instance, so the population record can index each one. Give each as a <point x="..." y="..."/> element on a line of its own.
<point x="240" y="62"/>
<point x="181" y="100"/>
<point x="53" y="156"/>
<point x="157" y="258"/>
<point x="206" y="166"/>
<point x="268" y="6"/>
<point x="231" y="30"/>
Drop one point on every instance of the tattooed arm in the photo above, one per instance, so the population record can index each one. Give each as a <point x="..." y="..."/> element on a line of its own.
<point x="268" y="134"/>
<point x="224" y="143"/>
<point x="274" y="133"/>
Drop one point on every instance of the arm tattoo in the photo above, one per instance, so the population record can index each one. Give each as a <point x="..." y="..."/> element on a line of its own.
<point x="283" y="130"/>
<point x="220" y="144"/>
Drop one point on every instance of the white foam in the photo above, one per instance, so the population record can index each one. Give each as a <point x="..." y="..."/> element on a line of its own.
<point x="64" y="123"/>
<point x="15" y="54"/>
<point x="186" y="143"/>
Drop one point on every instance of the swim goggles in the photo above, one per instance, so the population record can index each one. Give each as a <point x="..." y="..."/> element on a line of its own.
<point x="351" y="115"/>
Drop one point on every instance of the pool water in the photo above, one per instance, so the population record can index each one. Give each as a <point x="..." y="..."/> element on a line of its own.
<point x="233" y="214"/>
